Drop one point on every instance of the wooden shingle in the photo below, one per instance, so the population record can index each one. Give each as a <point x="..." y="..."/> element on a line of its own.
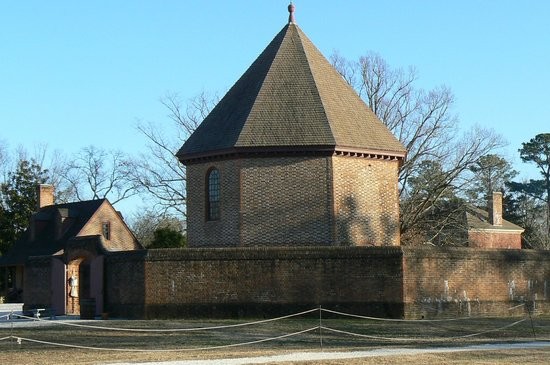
<point x="291" y="98"/>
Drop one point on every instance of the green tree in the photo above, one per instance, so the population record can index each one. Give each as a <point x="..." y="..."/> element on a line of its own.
<point x="166" y="237"/>
<point x="430" y="206"/>
<point x="18" y="201"/>
<point x="490" y="173"/>
<point x="148" y="220"/>
<point x="537" y="151"/>
<point x="529" y="213"/>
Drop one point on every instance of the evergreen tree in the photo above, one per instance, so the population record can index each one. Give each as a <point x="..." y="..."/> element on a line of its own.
<point x="168" y="238"/>
<point x="529" y="205"/>
<point x="18" y="201"/>
<point x="491" y="173"/>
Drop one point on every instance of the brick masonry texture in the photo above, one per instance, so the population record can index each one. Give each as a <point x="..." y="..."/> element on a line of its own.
<point x="120" y="236"/>
<point x="201" y="232"/>
<point x="261" y="281"/>
<point x="366" y="201"/>
<point x="463" y="281"/>
<point x="480" y="239"/>
<point x="38" y="292"/>
<point x="309" y="200"/>
<point x="125" y="284"/>
<point x="383" y="281"/>
<point x="286" y="201"/>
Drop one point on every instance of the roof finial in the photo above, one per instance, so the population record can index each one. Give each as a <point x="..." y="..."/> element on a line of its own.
<point x="291" y="8"/>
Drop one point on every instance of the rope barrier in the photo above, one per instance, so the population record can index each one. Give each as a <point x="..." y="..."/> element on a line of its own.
<point x="20" y="339"/>
<point x="319" y="327"/>
<point x="517" y="306"/>
<point x="395" y="319"/>
<point x="194" y="329"/>
<point x="493" y="330"/>
<point x="422" y="339"/>
<point x="366" y="336"/>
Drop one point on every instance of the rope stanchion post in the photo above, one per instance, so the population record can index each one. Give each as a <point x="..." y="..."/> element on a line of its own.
<point x="11" y="323"/>
<point x="321" y="326"/>
<point x="531" y="319"/>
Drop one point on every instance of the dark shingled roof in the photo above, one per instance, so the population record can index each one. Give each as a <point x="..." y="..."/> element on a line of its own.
<point x="291" y="98"/>
<point x="45" y="243"/>
<point x="478" y="219"/>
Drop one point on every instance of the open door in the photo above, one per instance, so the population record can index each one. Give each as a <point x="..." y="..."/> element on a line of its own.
<point x="58" y="281"/>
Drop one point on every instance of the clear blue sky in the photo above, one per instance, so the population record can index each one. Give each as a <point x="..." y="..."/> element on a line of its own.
<point x="79" y="73"/>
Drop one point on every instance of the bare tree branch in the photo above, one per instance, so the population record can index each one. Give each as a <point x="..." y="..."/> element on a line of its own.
<point x="423" y="121"/>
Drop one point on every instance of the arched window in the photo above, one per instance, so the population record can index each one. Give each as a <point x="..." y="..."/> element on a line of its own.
<point x="213" y="195"/>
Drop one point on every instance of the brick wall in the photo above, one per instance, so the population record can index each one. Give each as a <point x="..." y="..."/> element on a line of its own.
<point x="462" y="281"/>
<point x="125" y="283"/>
<point x="366" y="200"/>
<point x="38" y="286"/>
<point x="120" y="236"/>
<point x="267" y="281"/>
<point x="286" y="201"/>
<point x="256" y="281"/>
<point x="308" y="200"/>
<point x="201" y="232"/>
<point x="484" y="239"/>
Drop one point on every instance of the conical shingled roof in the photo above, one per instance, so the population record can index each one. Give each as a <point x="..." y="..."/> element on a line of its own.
<point x="290" y="98"/>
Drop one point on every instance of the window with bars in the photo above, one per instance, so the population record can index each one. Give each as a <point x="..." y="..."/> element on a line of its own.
<point x="106" y="230"/>
<point x="213" y="195"/>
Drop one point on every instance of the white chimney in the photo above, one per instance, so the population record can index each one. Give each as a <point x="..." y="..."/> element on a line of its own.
<point x="495" y="209"/>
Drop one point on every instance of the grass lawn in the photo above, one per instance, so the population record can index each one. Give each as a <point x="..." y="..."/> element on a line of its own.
<point x="169" y="342"/>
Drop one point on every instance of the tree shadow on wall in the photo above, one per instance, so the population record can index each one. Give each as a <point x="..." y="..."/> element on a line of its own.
<point x="355" y="228"/>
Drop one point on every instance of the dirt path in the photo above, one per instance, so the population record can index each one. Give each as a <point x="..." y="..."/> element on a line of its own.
<point x="318" y="356"/>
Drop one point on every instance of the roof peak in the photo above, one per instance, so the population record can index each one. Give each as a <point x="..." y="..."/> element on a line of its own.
<point x="291" y="8"/>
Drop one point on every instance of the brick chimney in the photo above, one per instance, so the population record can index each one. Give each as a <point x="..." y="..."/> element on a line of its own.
<point x="44" y="195"/>
<point x="495" y="209"/>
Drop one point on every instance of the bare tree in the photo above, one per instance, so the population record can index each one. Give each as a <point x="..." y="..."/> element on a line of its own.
<point x="147" y="221"/>
<point x="95" y="173"/>
<point x="424" y="122"/>
<point x="56" y="164"/>
<point x="157" y="171"/>
<point x="53" y="163"/>
<point x="3" y="160"/>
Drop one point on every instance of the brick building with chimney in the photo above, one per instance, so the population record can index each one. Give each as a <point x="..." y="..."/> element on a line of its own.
<point x="74" y="237"/>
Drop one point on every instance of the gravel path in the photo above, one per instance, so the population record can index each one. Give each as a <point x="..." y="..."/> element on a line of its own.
<point x="313" y="356"/>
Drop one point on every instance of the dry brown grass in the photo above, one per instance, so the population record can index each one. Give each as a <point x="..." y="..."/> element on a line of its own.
<point x="418" y="334"/>
<point x="64" y="356"/>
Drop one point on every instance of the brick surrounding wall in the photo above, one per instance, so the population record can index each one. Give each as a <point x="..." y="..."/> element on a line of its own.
<point x="38" y="286"/>
<point x="381" y="281"/>
<point x="463" y="281"/>
<point x="492" y="239"/>
<point x="366" y="201"/>
<point x="257" y="281"/>
<point x="125" y="284"/>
